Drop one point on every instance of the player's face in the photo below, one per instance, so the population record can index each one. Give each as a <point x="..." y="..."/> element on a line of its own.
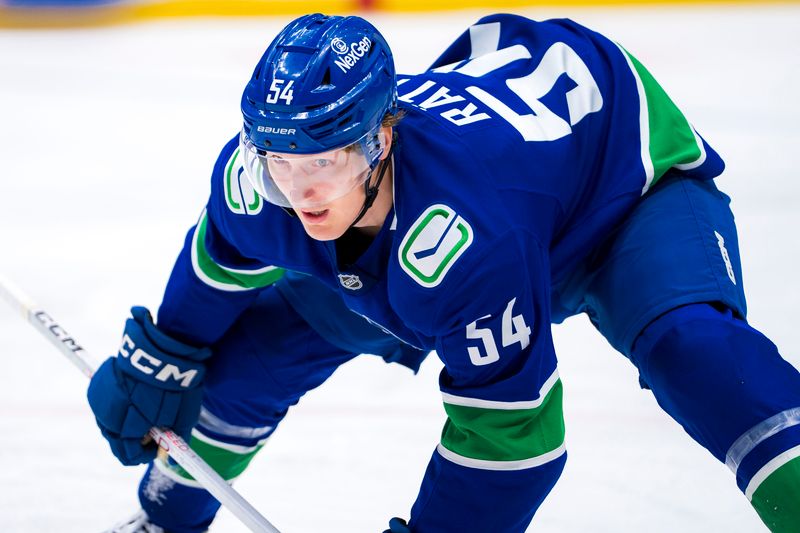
<point x="311" y="181"/>
<point x="325" y="189"/>
<point x="329" y="221"/>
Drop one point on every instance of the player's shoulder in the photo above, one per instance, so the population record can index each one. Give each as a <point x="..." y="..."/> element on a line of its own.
<point x="515" y="37"/>
<point x="240" y="216"/>
<point x="231" y="191"/>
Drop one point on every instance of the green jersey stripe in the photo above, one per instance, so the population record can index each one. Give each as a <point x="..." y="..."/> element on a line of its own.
<point x="233" y="448"/>
<point x="789" y="456"/>
<point x="505" y="434"/>
<point x="224" y="278"/>
<point x="667" y="138"/>
<point x="220" y="456"/>
<point x="491" y="404"/>
<point x="775" y="500"/>
<point x="700" y="160"/>
<point x="481" y="464"/>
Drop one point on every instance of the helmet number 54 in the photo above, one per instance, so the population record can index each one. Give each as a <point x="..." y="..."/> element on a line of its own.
<point x="513" y="330"/>
<point x="279" y="91"/>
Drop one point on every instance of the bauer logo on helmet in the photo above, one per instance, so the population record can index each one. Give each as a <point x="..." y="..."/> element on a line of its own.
<point x="276" y="131"/>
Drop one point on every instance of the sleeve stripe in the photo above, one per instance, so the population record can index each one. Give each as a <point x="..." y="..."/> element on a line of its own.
<point x="224" y="278"/>
<point x="490" y="404"/>
<point x="770" y="468"/>
<point x="228" y="460"/>
<point x="667" y="138"/>
<point x="700" y="160"/>
<point x="505" y="435"/>
<point x="483" y="464"/>
<point x="758" y="434"/>
<point x="644" y="123"/>
<point x="232" y="448"/>
<point x="210" y="421"/>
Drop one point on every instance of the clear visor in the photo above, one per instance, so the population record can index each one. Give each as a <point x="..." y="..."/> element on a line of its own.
<point x="303" y="181"/>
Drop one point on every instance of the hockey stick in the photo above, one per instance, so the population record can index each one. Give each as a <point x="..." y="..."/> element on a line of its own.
<point x="173" y="444"/>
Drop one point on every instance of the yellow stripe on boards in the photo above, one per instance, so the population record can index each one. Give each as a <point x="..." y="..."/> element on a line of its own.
<point x="30" y="17"/>
<point x="19" y="17"/>
<point x="238" y="8"/>
<point x="502" y="5"/>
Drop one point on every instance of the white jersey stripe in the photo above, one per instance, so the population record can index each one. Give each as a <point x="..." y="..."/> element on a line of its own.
<point x="758" y="434"/>
<point x="769" y="469"/>
<point x="482" y="464"/>
<point x="644" y="124"/>
<point x="509" y="406"/>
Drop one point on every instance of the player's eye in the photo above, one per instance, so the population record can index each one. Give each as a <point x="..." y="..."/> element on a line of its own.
<point x="322" y="163"/>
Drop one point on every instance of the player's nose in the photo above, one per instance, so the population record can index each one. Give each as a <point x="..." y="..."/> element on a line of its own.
<point x="305" y="194"/>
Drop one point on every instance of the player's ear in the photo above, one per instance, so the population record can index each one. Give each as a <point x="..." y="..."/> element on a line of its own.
<point x="386" y="141"/>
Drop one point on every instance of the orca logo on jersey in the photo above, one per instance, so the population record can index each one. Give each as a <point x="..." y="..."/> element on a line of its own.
<point x="147" y="364"/>
<point x="433" y="244"/>
<point x="240" y="195"/>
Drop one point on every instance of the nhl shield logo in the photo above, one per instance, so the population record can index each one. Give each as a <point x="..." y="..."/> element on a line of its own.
<point x="350" y="281"/>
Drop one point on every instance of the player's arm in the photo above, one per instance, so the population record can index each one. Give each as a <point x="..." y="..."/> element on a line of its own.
<point x="156" y="377"/>
<point x="212" y="281"/>
<point x="502" y="446"/>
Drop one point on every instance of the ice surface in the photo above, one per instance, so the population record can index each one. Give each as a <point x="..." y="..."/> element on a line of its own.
<point x="107" y="137"/>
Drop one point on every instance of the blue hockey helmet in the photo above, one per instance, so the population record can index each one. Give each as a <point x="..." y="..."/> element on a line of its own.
<point x="324" y="82"/>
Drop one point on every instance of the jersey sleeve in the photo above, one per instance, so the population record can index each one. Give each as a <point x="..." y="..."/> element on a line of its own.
<point x="212" y="281"/>
<point x="502" y="446"/>
<point x="667" y="139"/>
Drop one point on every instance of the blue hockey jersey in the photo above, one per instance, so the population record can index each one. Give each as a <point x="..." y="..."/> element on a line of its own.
<point x="522" y="147"/>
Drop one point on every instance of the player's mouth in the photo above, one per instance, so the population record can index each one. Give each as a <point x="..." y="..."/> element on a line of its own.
<point x="315" y="217"/>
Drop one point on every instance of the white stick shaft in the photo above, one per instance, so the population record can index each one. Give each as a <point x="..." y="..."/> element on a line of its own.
<point x="173" y="444"/>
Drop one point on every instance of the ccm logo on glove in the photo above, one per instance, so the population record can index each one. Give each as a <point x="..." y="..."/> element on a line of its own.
<point x="147" y="364"/>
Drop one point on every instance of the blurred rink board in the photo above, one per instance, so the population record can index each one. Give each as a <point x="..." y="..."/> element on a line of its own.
<point x="82" y="13"/>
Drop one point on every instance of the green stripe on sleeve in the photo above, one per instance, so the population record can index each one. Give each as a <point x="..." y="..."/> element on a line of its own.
<point x="670" y="139"/>
<point x="777" y="498"/>
<point x="224" y="278"/>
<point x="228" y="461"/>
<point x="487" y="434"/>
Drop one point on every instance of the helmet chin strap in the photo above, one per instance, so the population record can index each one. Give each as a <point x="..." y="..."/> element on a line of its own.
<point x="372" y="192"/>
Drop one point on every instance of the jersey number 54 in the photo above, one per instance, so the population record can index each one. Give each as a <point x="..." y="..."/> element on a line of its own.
<point x="513" y="330"/>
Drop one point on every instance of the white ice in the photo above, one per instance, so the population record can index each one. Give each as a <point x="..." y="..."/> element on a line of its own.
<point x="107" y="138"/>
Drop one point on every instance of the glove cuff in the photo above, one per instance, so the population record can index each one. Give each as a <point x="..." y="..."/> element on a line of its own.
<point x="152" y="357"/>
<point x="164" y="342"/>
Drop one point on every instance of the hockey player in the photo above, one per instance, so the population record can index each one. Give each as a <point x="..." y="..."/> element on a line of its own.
<point x="535" y="171"/>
